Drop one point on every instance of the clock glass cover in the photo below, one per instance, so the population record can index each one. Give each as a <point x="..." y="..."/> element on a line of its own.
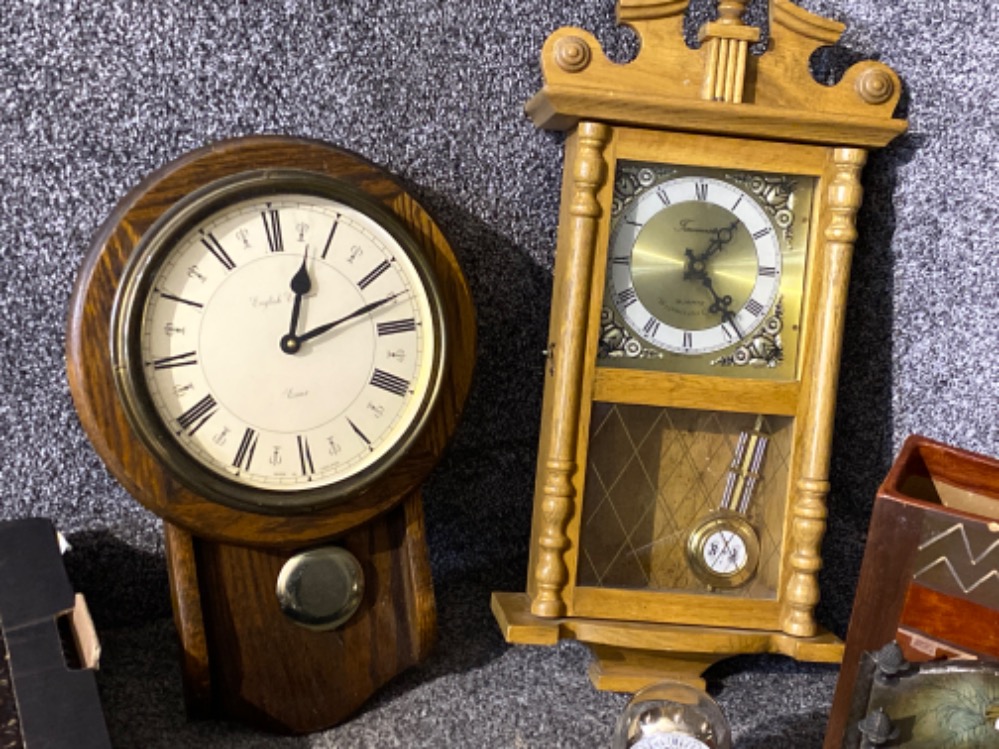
<point x="277" y="339"/>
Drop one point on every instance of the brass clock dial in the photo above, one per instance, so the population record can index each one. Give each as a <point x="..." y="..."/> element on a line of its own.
<point x="705" y="271"/>
<point x="277" y="340"/>
<point x="695" y="265"/>
<point x="724" y="550"/>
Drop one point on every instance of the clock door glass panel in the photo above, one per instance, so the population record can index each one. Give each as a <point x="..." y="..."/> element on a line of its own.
<point x="705" y="271"/>
<point x="684" y="500"/>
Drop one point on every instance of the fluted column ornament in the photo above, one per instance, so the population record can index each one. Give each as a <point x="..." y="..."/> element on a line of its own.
<point x="726" y="45"/>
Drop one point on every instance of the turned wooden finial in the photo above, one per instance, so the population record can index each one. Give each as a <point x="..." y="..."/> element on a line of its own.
<point x="730" y="12"/>
<point x="726" y="44"/>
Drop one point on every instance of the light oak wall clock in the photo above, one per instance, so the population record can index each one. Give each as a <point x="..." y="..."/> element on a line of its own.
<point x="269" y="345"/>
<point x="705" y="236"/>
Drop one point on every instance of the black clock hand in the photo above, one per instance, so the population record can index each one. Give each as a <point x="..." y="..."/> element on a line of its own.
<point x="697" y="263"/>
<point x="370" y="307"/>
<point x="721" y="304"/>
<point x="301" y="284"/>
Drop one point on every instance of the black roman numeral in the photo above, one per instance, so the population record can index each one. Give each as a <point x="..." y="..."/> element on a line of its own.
<point x="754" y="308"/>
<point x="730" y="330"/>
<point x="661" y="192"/>
<point x="178" y="360"/>
<point x="373" y="275"/>
<point x="209" y="241"/>
<point x="736" y="204"/>
<point x="620" y="260"/>
<point x="627" y="297"/>
<point x="195" y="417"/>
<point x="762" y="233"/>
<point x="688" y="340"/>
<point x="396" y="326"/>
<point x="767" y="271"/>
<point x="247" y="446"/>
<point x="701" y="190"/>
<point x="389" y="382"/>
<point x="272" y="225"/>
<point x="651" y="327"/>
<point x="329" y="239"/>
<point x="305" y="456"/>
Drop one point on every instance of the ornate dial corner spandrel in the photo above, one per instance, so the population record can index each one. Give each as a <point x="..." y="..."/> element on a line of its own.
<point x="634" y="180"/>
<point x="764" y="349"/>
<point x="616" y="342"/>
<point x="776" y="194"/>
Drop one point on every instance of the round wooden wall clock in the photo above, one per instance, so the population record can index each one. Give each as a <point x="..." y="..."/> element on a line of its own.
<point x="705" y="239"/>
<point x="269" y="345"/>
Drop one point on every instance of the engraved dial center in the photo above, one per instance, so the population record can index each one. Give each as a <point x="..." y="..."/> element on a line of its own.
<point x="678" y="249"/>
<point x="244" y="366"/>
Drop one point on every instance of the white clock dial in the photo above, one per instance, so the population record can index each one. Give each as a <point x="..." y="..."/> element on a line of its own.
<point x="725" y="552"/>
<point x="695" y="265"/>
<point x="287" y="342"/>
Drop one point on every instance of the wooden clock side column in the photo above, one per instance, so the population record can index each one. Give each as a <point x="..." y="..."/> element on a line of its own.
<point x="558" y="463"/>
<point x="189" y="620"/>
<point x="808" y="525"/>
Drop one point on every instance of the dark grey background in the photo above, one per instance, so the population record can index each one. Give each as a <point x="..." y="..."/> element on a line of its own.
<point x="95" y="95"/>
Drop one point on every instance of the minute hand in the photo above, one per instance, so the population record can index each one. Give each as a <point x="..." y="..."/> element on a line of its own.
<point x="356" y="313"/>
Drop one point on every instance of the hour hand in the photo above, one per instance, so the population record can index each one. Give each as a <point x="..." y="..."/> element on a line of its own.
<point x="301" y="284"/>
<point x="720" y="237"/>
<point x="721" y="304"/>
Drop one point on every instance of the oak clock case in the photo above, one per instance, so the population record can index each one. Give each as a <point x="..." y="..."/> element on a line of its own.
<point x="706" y="229"/>
<point x="269" y="345"/>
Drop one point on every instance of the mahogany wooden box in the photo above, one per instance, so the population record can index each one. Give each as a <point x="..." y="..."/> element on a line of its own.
<point x="930" y="575"/>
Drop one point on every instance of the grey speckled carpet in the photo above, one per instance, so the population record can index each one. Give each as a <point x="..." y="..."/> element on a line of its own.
<point x="93" y="95"/>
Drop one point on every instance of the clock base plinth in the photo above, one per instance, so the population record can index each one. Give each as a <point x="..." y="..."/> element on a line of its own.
<point x="244" y="660"/>
<point x="631" y="655"/>
<point x="630" y="669"/>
